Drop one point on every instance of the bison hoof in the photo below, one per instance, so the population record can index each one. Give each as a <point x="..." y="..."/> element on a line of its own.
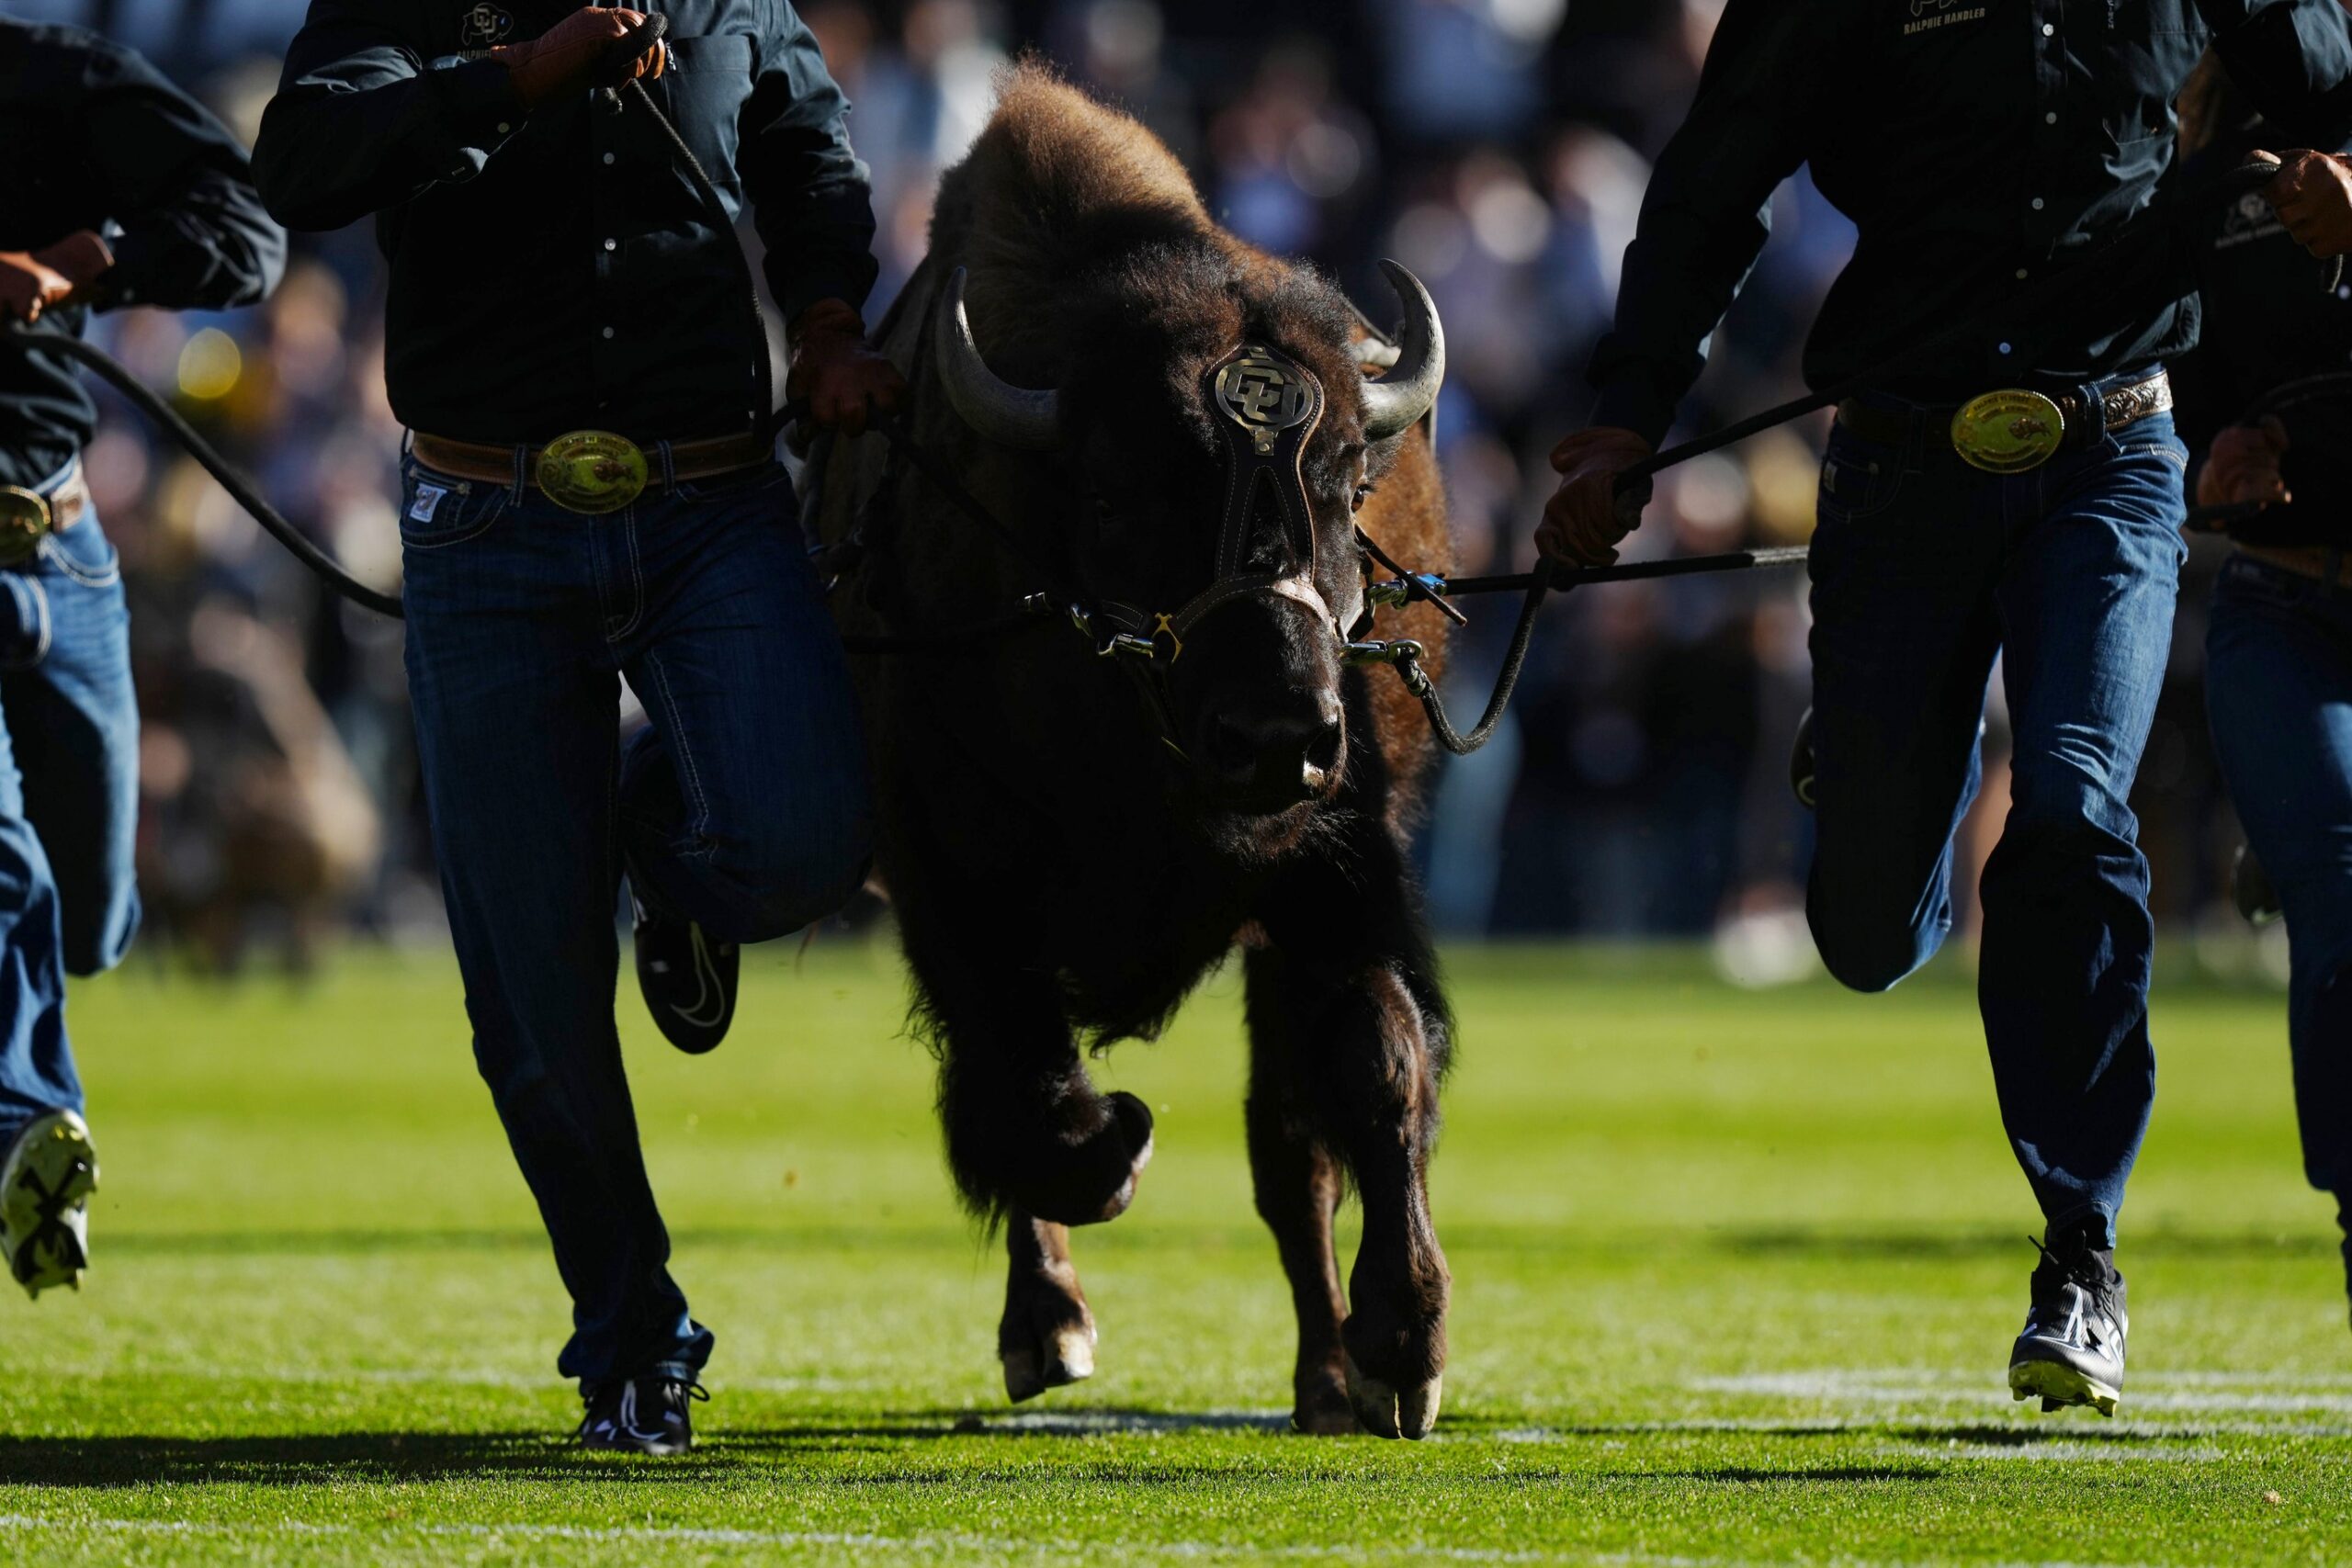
<point x="1064" y="1357"/>
<point x="1388" y="1412"/>
<point x="1323" y="1409"/>
<point x="1108" y="1165"/>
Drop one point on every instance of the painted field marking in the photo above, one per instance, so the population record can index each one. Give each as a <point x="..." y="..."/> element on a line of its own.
<point x="931" y="1542"/>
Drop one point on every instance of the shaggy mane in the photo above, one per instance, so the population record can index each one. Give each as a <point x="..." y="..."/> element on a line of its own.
<point x="1082" y="237"/>
<point x="1056" y="187"/>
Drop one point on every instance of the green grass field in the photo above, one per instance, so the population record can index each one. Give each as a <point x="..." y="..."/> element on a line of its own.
<point x="1734" y="1280"/>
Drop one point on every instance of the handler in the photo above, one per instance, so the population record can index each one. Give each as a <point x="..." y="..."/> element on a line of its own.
<point x="2270" y="387"/>
<point x="591" y="494"/>
<point x="2014" y="492"/>
<point x="117" y="190"/>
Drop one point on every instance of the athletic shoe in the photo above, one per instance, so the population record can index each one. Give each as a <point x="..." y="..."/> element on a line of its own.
<point x="1801" y="762"/>
<point x="640" y="1416"/>
<point x="688" y="979"/>
<point x="2072" y="1349"/>
<point x="2252" y="891"/>
<point x="45" y="1187"/>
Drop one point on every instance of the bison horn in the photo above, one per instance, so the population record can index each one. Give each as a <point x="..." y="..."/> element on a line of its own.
<point x="1009" y="415"/>
<point x="1401" y="399"/>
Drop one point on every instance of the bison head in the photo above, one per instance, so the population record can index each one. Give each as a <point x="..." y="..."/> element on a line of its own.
<point x="1208" y="437"/>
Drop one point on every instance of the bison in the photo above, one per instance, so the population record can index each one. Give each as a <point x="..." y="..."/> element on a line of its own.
<point x="1186" y="433"/>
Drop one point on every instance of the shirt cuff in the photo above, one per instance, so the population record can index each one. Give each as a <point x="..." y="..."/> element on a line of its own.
<point x="809" y="282"/>
<point x="478" y="102"/>
<point x="1630" y="405"/>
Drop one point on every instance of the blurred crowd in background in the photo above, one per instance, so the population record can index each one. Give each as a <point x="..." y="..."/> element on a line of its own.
<point x="1499" y="147"/>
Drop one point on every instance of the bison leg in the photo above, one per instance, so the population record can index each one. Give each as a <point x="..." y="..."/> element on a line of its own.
<point x="1298" y="1182"/>
<point x="1025" y="1128"/>
<point x="1046" y="1335"/>
<point x="1348" y="975"/>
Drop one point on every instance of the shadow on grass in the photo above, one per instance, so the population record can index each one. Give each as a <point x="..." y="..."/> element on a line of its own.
<point x="298" y="1459"/>
<point x="2072" y="1435"/>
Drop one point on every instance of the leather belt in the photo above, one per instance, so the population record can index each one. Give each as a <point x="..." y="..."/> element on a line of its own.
<point x="2119" y="407"/>
<point x="494" y="464"/>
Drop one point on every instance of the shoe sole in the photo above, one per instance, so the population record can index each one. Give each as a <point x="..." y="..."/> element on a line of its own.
<point x="57" y="1149"/>
<point x="2059" y="1385"/>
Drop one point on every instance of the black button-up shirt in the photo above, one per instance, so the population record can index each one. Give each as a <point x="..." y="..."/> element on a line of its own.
<point x="557" y="272"/>
<point x="96" y="139"/>
<point x="1976" y="144"/>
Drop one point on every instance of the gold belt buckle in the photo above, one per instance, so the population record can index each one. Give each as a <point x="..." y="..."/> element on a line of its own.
<point x="2009" y="432"/>
<point x="592" y="471"/>
<point x="24" y="524"/>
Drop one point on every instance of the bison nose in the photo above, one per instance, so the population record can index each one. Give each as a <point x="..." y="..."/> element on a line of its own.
<point x="1277" y="754"/>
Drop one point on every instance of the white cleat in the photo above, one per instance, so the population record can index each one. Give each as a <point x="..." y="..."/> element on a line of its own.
<point x="45" y="1187"/>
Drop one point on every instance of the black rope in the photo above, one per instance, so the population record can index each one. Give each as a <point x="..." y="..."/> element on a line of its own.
<point x="1564" y="577"/>
<point x="233" y="480"/>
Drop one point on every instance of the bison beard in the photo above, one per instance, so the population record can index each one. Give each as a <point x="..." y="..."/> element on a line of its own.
<point x="1067" y="860"/>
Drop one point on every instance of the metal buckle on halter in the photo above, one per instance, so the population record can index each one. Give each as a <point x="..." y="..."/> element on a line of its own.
<point x="25" y="522"/>
<point x="592" y="471"/>
<point x="2012" y="431"/>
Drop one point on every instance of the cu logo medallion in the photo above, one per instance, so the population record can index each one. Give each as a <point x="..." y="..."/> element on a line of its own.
<point x="1264" y="393"/>
<point x="484" y="25"/>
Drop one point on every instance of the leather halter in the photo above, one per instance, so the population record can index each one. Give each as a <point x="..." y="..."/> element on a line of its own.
<point x="1268" y="407"/>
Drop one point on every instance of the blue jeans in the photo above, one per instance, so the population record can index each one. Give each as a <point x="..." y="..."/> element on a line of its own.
<point x="2279" y="675"/>
<point x="69" y="803"/>
<point x="743" y="806"/>
<point x="1924" y="569"/>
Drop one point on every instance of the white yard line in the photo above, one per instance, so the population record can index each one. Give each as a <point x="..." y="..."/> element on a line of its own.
<point x="931" y="1542"/>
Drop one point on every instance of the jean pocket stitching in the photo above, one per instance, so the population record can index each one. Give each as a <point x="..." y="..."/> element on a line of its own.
<point x="2164" y="449"/>
<point x="107" y="576"/>
<point x="1886" y="481"/>
<point x="417" y="540"/>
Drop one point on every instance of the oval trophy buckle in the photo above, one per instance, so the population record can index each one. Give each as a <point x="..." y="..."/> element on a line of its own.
<point x="592" y="471"/>
<point x="24" y="524"/>
<point x="2009" y="432"/>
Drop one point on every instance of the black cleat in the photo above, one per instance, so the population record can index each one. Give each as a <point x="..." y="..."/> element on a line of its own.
<point x="2252" y="890"/>
<point x="640" y="1416"/>
<point x="688" y="978"/>
<point x="2072" y="1349"/>
<point x="1801" y="762"/>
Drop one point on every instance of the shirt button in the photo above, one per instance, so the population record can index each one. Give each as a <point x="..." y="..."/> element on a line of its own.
<point x="612" y="245"/>
<point x="2049" y="30"/>
<point x="2037" y="204"/>
<point x="503" y="127"/>
<point x="609" y="332"/>
<point x="2005" y="347"/>
<point x="609" y="157"/>
<point x="2049" y="118"/>
<point x="2020" y="275"/>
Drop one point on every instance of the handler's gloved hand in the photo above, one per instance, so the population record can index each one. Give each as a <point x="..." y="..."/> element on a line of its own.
<point x="845" y="378"/>
<point x="1585" y="518"/>
<point x="2313" y="196"/>
<point x="581" y="51"/>
<point x="2243" y="466"/>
